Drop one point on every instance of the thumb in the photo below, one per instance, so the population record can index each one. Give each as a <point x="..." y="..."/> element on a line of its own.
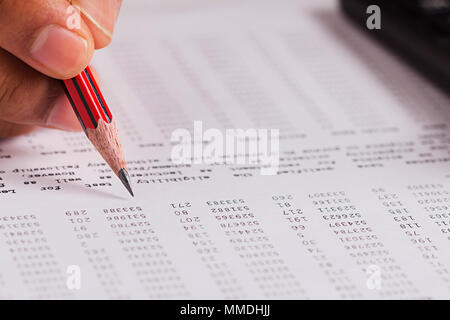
<point x="39" y="33"/>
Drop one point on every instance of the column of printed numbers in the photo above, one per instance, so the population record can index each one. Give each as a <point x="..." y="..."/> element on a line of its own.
<point x="33" y="256"/>
<point x="435" y="201"/>
<point x="207" y="250"/>
<point x="96" y="253"/>
<point x="414" y="231"/>
<point x="298" y="222"/>
<point x="360" y="241"/>
<point x="248" y="238"/>
<point x="145" y="252"/>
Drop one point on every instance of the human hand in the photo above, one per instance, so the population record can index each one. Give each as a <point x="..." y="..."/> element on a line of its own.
<point x="41" y="41"/>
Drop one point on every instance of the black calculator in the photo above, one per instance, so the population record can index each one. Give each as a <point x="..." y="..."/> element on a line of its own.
<point x="418" y="30"/>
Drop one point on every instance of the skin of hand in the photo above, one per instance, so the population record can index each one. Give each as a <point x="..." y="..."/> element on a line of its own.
<point x="41" y="41"/>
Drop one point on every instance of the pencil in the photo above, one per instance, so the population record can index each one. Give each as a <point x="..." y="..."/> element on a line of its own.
<point x="97" y="121"/>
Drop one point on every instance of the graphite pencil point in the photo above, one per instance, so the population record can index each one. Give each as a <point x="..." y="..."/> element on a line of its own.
<point x="125" y="178"/>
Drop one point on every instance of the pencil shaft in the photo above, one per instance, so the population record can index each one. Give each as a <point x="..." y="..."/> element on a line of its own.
<point x="87" y="100"/>
<point x="97" y="121"/>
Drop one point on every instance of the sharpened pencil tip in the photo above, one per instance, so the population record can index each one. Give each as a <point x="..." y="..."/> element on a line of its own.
<point x="125" y="178"/>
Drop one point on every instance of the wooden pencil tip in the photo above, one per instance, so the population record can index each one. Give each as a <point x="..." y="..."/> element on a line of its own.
<point x="125" y="178"/>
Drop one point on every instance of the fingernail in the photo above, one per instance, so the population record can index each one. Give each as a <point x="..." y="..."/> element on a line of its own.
<point x="62" y="116"/>
<point x="60" y="50"/>
<point x="102" y="13"/>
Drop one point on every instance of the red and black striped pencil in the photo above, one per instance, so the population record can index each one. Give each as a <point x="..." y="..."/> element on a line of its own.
<point x="97" y="121"/>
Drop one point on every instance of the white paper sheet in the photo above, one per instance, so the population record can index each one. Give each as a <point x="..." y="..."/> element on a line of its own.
<point x="360" y="207"/>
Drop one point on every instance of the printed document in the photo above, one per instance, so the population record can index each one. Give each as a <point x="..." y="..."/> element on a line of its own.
<point x="350" y="198"/>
